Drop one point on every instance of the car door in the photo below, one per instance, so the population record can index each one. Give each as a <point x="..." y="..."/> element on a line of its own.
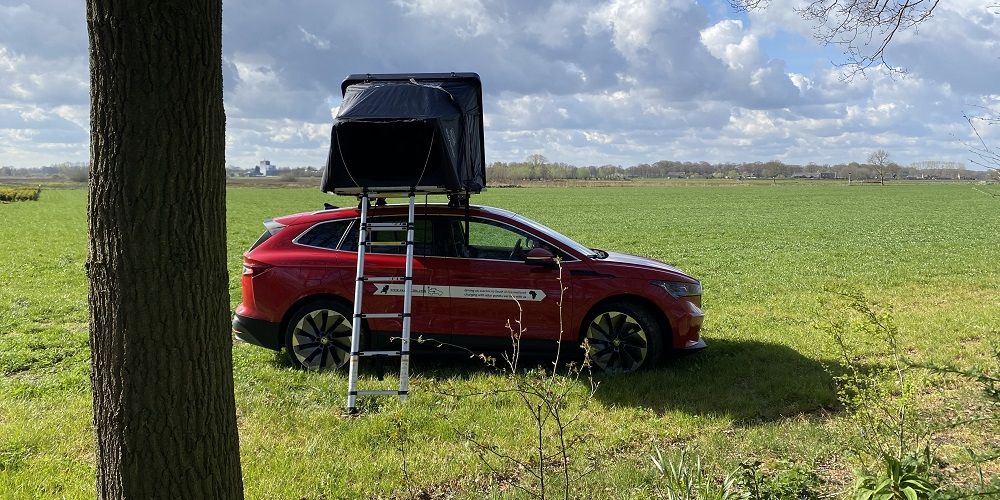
<point x="428" y="307"/>
<point x="492" y="288"/>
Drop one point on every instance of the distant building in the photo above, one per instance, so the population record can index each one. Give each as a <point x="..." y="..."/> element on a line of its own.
<point x="267" y="169"/>
<point x="826" y="175"/>
<point x="254" y="172"/>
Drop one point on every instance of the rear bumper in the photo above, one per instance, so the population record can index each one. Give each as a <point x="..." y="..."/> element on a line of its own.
<point x="257" y="332"/>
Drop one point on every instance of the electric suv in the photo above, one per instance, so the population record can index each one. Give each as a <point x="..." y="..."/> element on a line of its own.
<point x="474" y="270"/>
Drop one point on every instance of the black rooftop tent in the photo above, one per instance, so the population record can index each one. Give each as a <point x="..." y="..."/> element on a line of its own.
<point x="418" y="132"/>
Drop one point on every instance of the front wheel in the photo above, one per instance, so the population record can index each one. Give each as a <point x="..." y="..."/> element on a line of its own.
<point x="622" y="337"/>
<point x="318" y="335"/>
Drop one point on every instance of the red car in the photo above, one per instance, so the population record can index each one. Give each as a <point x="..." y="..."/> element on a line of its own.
<point x="299" y="277"/>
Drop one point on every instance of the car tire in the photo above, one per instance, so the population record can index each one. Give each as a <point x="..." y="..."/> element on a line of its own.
<point x="318" y="335"/>
<point x="622" y="337"/>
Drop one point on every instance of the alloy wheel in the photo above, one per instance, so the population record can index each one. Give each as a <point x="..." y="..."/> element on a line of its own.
<point x="617" y="342"/>
<point x="322" y="339"/>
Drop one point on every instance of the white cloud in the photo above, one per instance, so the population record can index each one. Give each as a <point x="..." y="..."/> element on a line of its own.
<point x="585" y="81"/>
<point x="468" y="18"/>
<point x="315" y="41"/>
<point x="959" y="45"/>
<point x="726" y="41"/>
<point x="8" y="61"/>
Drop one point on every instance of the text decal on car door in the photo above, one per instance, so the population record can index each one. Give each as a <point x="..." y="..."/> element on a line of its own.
<point x="464" y="292"/>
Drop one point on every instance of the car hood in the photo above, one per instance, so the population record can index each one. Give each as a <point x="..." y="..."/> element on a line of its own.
<point x="620" y="260"/>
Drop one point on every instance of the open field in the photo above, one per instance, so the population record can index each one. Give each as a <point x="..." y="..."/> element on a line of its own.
<point x="768" y="257"/>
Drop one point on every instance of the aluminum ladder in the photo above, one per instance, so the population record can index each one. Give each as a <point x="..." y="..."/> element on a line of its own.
<point x="364" y="241"/>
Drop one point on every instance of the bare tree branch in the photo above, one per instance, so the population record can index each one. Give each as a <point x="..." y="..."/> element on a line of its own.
<point x="862" y="29"/>
<point x="985" y="156"/>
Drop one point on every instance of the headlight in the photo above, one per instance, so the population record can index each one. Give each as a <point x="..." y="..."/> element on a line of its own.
<point x="679" y="288"/>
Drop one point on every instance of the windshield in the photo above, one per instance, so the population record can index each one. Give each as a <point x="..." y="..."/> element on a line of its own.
<point x="554" y="234"/>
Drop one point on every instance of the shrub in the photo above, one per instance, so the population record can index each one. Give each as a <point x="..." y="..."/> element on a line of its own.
<point x="685" y="479"/>
<point x="20" y="193"/>
<point x="988" y="380"/>
<point x="557" y="422"/>
<point x="900" y="479"/>
<point x="877" y="391"/>
<point x="788" y="481"/>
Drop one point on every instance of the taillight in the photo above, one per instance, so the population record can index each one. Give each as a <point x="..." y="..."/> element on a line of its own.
<point x="254" y="268"/>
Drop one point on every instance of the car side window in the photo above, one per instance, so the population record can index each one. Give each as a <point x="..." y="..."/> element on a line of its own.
<point x="489" y="240"/>
<point x="324" y="234"/>
<point x="424" y="241"/>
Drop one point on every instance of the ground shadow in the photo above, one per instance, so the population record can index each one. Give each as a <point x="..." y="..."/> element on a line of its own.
<point x="748" y="381"/>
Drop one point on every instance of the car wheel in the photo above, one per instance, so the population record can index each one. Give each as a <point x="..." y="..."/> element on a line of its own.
<point x="622" y="337"/>
<point x="318" y="335"/>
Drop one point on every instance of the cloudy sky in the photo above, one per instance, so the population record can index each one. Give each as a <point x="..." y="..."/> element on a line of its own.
<point x="583" y="81"/>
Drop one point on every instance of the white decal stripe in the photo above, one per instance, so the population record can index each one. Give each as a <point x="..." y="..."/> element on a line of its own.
<point x="463" y="292"/>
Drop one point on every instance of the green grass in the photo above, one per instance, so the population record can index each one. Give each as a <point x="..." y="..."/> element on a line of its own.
<point x="766" y="255"/>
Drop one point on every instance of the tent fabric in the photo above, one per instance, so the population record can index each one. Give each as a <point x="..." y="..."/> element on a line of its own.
<point x="401" y="133"/>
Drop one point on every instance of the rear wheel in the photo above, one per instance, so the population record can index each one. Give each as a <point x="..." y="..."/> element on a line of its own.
<point x="318" y="335"/>
<point x="622" y="337"/>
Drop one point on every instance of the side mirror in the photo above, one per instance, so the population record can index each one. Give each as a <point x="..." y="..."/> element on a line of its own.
<point x="540" y="257"/>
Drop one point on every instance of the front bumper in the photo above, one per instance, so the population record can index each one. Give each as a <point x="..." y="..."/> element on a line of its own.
<point x="257" y="332"/>
<point x="686" y="319"/>
<point x="694" y="345"/>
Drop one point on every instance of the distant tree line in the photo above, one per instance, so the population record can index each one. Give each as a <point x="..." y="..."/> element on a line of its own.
<point x="283" y="172"/>
<point x="75" y="172"/>
<point x="538" y="168"/>
<point x="78" y="172"/>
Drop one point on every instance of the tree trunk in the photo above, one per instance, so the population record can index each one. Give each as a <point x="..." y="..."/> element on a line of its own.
<point x="161" y="351"/>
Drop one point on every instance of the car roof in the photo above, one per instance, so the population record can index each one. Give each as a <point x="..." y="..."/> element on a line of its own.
<point x="391" y="209"/>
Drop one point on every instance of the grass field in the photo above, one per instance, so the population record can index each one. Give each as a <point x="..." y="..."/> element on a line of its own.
<point x="768" y="256"/>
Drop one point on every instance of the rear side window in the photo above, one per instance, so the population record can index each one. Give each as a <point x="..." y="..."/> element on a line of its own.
<point x="423" y="236"/>
<point x="324" y="235"/>
<point x="262" y="239"/>
<point x="271" y="228"/>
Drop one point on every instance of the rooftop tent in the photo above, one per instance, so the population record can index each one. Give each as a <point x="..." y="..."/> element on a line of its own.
<point x="396" y="133"/>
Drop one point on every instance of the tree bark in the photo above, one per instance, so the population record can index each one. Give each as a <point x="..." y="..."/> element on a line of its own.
<point x="161" y="351"/>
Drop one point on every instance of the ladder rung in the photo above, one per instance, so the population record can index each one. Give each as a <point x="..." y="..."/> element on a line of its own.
<point x="382" y="353"/>
<point x="384" y="278"/>
<point x="386" y="243"/>
<point x="386" y="226"/>
<point x="382" y="315"/>
<point x="386" y="392"/>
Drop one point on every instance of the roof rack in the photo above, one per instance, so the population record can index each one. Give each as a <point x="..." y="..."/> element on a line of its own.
<point x="394" y="191"/>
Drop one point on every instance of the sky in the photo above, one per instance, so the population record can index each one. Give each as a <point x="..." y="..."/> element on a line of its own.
<point x="587" y="82"/>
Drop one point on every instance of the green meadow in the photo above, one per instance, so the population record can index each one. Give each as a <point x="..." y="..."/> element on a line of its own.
<point x="771" y="258"/>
